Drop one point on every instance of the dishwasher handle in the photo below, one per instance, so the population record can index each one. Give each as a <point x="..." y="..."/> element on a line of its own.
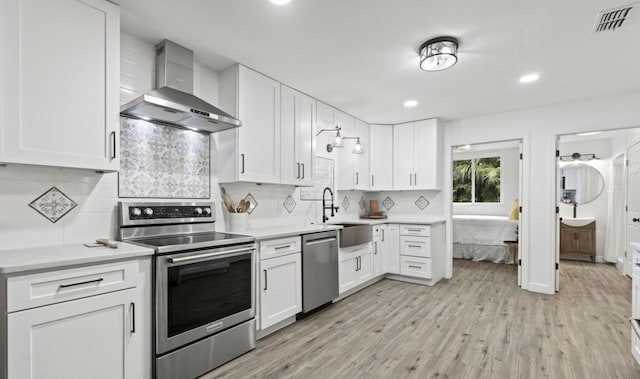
<point x="319" y="241"/>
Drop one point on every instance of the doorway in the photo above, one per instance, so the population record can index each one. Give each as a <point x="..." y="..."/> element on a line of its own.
<point x="485" y="208"/>
<point x="592" y="181"/>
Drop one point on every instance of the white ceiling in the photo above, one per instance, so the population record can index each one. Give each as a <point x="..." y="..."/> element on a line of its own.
<point x="361" y="55"/>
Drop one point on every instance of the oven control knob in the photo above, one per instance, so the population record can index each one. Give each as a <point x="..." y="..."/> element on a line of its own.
<point x="198" y="211"/>
<point x="136" y="212"/>
<point x="207" y="210"/>
<point x="148" y="211"/>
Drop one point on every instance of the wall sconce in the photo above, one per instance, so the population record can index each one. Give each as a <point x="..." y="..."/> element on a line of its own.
<point x="338" y="141"/>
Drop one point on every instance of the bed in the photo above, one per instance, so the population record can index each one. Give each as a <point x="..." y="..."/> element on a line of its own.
<point x="481" y="238"/>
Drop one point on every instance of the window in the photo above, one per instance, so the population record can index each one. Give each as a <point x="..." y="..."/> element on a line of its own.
<point x="476" y="180"/>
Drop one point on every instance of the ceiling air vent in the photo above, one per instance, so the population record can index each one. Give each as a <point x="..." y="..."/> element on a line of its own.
<point x="612" y="19"/>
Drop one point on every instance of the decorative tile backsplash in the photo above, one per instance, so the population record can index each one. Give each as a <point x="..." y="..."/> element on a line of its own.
<point x="388" y="203"/>
<point x="422" y="203"/>
<point x="253" y="203"/>
<point x="324" y="178"/>
<point x="346" y="203"/>
<point x="362" y="203"/>
<point x="289" y="204"/>
<point x="158" y="161"/>
<point x="53" y="204"/>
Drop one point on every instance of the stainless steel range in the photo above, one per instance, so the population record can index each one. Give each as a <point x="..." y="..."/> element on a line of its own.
<point x="203" y="286"/>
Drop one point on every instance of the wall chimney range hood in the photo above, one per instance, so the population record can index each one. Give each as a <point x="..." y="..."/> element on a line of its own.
<point x="173" y="103"/>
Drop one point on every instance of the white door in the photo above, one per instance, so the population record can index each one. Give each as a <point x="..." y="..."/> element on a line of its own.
<point x="381" y="156"/>
<point x="60" y="83"/>
<point x="519" y="263"/>
<point x="366" y="265"/>
<point x="361" y="161"/>
<point x="259" y="136"/>
<point x="426" y="157"/>
<point x="392" y="248"/>
<point x="306" y="139"/>
<point x="280" y="289"/>
<point x="403" y="144"/>
<point x="377" y="257"/>
<point x="633" y="203"/>
<point x="94" y="337"/>
<point x="347" y="270"/>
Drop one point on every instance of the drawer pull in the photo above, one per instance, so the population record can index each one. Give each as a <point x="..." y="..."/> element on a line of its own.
<point x="418" y="267"/>
<point x="415" y="230"/>
<point x="81" y="283"/>
<point x="416" y="246"/>
<point x="282" y="247"/>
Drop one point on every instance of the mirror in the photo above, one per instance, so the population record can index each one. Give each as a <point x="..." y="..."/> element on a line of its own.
<point x="580" y="183"/>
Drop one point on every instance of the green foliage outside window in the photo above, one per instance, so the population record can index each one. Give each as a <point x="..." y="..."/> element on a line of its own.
<point x="476" y="180"/>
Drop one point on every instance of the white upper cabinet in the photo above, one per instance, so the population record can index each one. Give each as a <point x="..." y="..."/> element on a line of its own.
<point x="250" y="153"/>
<point x="381" y="157"/>
<point x="345" y="174"/>
<point x="59" y="70"/>
<point x="297" y="130"/>
<point x="361" y="161"/>
<point x="417" y="152"/>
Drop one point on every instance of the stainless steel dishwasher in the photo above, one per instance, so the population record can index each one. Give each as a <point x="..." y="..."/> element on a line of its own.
<point x="319" y="269"/>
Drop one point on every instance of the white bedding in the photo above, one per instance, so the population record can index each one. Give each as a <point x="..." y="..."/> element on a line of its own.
<point x="481" y="238"/>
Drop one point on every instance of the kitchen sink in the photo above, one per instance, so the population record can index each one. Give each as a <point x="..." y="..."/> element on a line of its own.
<point x="354" y="234"/>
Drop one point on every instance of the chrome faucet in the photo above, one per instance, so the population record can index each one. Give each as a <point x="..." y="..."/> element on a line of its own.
<point x="325" y="207"/>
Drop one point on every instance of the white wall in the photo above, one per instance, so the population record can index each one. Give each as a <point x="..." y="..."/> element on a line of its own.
<point x="509" y="185"/>
<point x="538" y="127"/>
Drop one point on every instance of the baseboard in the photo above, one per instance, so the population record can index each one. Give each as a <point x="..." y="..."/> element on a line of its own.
<point x="541" y="288"/>
<point x="408" y="279"/>
<point x="274" y="328"/>
<point x="359" y="287"/>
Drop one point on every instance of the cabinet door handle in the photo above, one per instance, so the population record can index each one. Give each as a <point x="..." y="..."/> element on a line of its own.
<point x="415" y="179"/>
<point x="373" y="181"/>
<point x="265" y="280"/>
<point x="112" y="136"/>
<point x="81" y="283"/>
<point x="382" y="235"/>
<point x="410" y="180"/>
<point x="133" y="317"/>
<point x="303" y="171"/>
<point x="357" y="179"/>
<point x="298" y="177"/>
<point x="375" y="248"/>
<point x="242" y="170"/>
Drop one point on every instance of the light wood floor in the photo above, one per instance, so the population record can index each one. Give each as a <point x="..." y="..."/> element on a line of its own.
<point x="476" y="325"/>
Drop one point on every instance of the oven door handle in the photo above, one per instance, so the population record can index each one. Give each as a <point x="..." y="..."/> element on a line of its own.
<point x="217" y="254"/>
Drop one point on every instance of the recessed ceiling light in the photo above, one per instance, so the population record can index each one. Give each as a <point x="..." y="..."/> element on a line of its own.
<point x="410" y="103"/>
<point x="589" y="133"/>
<point x="280" y="2"/>
<point x="529" y="78"/>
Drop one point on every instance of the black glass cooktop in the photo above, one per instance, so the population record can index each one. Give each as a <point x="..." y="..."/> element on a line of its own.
<point x="194" y="241"/>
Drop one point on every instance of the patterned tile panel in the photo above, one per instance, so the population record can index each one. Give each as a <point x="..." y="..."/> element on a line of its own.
<point x="362" y="203"/>
<point x="388" y="203"/>
<point x="422" y="203"/>
<point x="159" y="161"/>
<point x="289" y="204"/>
<point x="324" y="178"/>
<point x="346" y="203"/>
<point x="53" y="204"/>
<point x="253" y="203"/>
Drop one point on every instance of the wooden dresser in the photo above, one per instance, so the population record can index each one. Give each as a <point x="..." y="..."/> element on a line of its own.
<point x="578" y="240"/>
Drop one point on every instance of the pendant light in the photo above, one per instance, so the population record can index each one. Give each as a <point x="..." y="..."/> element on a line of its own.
<point x="438" y="53"/>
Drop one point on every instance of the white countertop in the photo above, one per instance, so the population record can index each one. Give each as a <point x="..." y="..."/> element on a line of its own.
<point x="286" y="231"/>
<point x="48" y="257"/>
<point x="389" y="220"/>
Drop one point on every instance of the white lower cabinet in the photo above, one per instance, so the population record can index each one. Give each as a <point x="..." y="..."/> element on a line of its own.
<point x="377" y="251"/>
<point x="355" y="266"/>
<point x="415" y="266"/>
<point x="389" y="240"/>
<point x="85" y="333"/>
<point x="280" y="288"/>
<point x="94" y="337"/>
<point x="422" y="251"/>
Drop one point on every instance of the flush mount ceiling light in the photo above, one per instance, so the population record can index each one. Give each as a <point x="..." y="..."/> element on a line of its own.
<point x="529" y="78"/>
<point x="438" y="53"/>
<point x="280" y="2"/>
<point x="589" y="133"/>
<point x="410" y="103"/>
<point x="578" y="157"/>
